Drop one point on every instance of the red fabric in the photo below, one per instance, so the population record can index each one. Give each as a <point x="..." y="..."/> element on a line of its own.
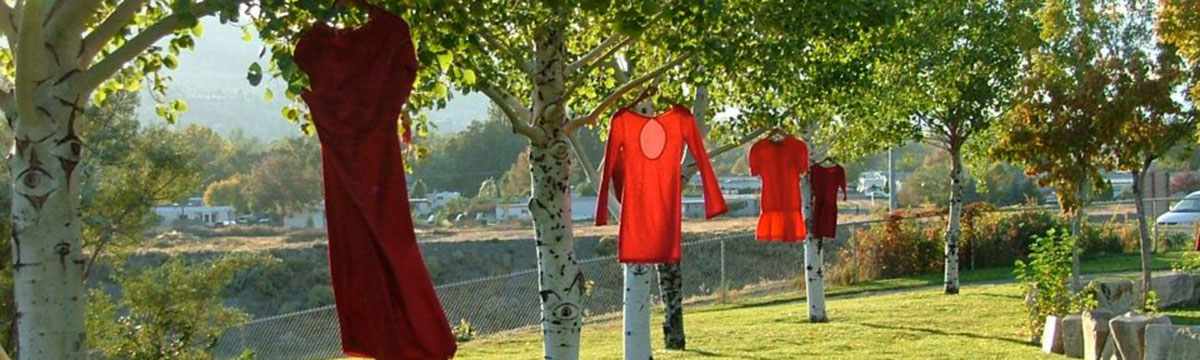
<point x="360" y="80"/>
<point x="651" y="193"/>
<point x="825" y="184"/>
<point x="779" y="165"/>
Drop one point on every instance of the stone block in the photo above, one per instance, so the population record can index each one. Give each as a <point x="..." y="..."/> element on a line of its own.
<point x="1052" y="339"/>
<point x="1173" y="289"/>
<point x="1095" y="332"/>
<point x="1186" y="345"/>
<point x="1129" y="332"/>
<point x="1159" y="338"/>
<point x="1072" y="335"/>
<point x="1115" y="295"/>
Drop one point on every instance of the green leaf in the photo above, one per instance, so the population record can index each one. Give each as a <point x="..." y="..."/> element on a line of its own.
<point x="179" y="105"/>
<point x="444" y="60"/>
<point x="254" y="75"/>
<point x="268" y="95"/>
<point x="468" y="77"/>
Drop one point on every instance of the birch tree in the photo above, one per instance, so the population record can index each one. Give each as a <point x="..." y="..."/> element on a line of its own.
<point x="59" y="56"/>
<point x="958" y="76"/>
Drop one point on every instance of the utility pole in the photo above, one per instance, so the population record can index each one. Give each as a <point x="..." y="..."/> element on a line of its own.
<point x="891" y="178"/>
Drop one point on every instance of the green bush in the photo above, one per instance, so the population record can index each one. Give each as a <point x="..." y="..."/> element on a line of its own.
<point x="1189" y="263"/>
<point x="1045" y="279"/>
<point x="898" y="247"/>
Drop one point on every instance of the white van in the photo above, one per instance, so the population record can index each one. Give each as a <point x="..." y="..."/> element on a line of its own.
<point x="1183" y="216"/>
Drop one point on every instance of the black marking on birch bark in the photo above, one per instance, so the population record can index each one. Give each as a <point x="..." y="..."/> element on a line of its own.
<point x="47" y="113"/>
<point x="62" y="249"/>
<point x="16" y="239"/>
<point x="36" y="200"/>
<point x="50" y="14"/>
<point x="53" y="52"/>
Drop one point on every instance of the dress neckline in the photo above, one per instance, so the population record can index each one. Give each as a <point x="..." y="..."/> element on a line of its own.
<point x="654" y="117"/>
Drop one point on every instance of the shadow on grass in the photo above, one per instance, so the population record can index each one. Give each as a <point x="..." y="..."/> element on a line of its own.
<point x="944" y="333"/>
<point x="993" y="295"/>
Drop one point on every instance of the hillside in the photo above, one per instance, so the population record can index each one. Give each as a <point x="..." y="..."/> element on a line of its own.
<point x="212" y="79"/>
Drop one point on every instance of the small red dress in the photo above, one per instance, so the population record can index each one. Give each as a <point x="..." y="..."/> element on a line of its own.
<point x="643" y="155"/>
<point x="780" y="165"/>
<point x="360" y="80"/>
<point x="825" y="183"/>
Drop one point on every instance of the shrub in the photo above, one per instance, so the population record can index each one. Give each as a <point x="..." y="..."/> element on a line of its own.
<point x="1045" y="279"/>
<point x="1185" y="182"/>
<point x="894" y="248"/>
<point x="464" y="332"/>
<point x="1189" y="263"/>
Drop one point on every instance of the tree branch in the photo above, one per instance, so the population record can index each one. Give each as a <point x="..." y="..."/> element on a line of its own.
<point x="7" y="27"/>
<point x="600" y="52"/>
<point x="27" y="62"/>
<point x="513" y="111"/>
<point x="97" y="74"/>
<point x="73" y="17"/>
<point x="692" y="167"/>
<point x="506" y="51"/>
<point x="109" y="28"/>
<point x="621" y="91"/>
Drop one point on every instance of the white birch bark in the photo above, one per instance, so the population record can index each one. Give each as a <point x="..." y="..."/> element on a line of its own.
<point x="637" y="312"/>
<point x="814" y="267"/>
<point x="560" y="283"/>
<point x="47" y="253"/>
<point x="953" y="228"/>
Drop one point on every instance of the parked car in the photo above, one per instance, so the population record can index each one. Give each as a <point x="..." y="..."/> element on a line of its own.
<point x="1183" y="216"/>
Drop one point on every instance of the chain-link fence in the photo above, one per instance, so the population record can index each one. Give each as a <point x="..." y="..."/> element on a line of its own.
<point x="508" y="303"/>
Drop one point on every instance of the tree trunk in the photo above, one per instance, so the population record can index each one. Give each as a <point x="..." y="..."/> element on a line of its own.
<point x="893" y="203"/>
<point x="670" y="285"/>
<point x="953" y="229"/>
<point x="47" y="253"/>
<point x="560" y="283"/>
<point x="1076" y="228"/>
<point x="814" y="267"/>
<point x="1143" y="229"/>
<point x="637" y="311"/>
<point x="670" y="276"/>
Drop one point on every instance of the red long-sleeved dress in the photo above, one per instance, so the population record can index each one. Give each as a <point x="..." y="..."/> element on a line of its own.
<point x="360" y="80"/>
<point x="825" y="183"/>
<point x="643" y="155"/>
<point x="780" y="165"/>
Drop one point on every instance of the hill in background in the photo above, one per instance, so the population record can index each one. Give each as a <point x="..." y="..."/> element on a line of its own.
<point x="212" y="79"/>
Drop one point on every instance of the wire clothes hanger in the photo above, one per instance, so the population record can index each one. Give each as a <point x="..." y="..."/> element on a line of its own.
<point x="647" y="93"/>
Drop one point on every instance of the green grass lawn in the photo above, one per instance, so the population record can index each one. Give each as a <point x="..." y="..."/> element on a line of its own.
<point x="983" y="322"/>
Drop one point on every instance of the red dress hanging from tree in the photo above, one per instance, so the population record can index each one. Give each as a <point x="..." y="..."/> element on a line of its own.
<point x="780" y="165"/>
<point x="643" y="157"/>
<point x="360" y="80"/>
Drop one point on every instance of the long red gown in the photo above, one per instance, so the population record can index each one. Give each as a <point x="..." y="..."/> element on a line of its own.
<point x="645" y="153"/>
<point x="780" y="165"/>
<point x="360" y="79"/>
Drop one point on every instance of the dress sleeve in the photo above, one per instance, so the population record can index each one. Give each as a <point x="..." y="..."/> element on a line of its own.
<point x="752" y="159"/>
<point x="612" y="154"/>
<point x="714" y="202"/>
<point x="841" y="174"/>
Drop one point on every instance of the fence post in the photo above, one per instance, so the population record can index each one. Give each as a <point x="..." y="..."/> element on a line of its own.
<point x="723" y="294"/>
